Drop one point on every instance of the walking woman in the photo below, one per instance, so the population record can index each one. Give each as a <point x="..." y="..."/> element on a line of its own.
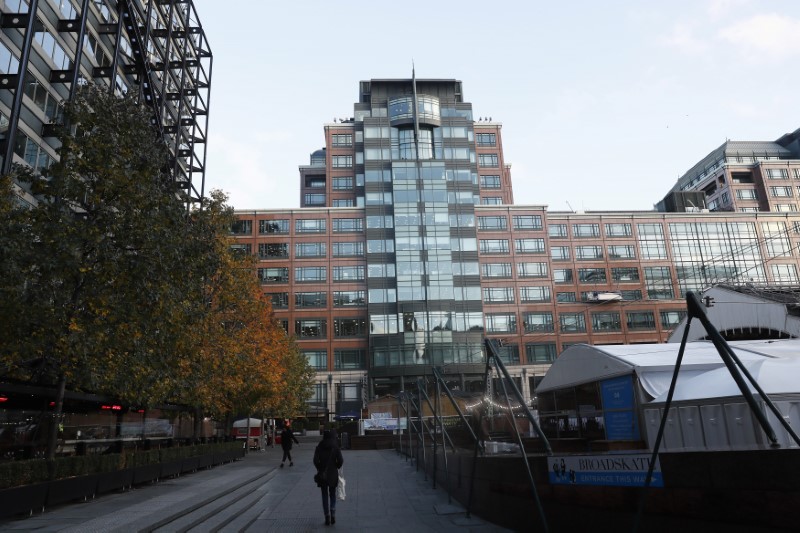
<point x="328" y="460"/>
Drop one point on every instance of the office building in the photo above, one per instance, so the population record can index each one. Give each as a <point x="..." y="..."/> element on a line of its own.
<point x="408" y="250"/>
<point x="48" y="48"/>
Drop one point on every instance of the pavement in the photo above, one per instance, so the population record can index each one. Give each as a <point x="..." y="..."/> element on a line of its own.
<point x="385" y="492"/>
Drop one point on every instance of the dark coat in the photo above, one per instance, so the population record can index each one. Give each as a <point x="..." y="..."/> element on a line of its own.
<point x="329" y="456"/>
<point x="287" y="436"/>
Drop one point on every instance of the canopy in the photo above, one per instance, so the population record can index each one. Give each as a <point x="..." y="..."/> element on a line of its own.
<point x="254" y="422"/>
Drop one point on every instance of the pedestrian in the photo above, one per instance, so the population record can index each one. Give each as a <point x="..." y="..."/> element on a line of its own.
<point x="287" y="436"/>
<point x="328" y="460"/>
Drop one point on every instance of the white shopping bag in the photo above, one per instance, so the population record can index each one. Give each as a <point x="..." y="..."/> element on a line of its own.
<point x="340" y="492"/>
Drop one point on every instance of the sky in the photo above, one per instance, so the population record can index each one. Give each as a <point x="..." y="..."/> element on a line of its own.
<point x="604" y="104"/>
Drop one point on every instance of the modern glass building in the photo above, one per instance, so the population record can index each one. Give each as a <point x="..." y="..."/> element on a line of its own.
<point x="48" y="48"/>
<point x="408" y="250"/>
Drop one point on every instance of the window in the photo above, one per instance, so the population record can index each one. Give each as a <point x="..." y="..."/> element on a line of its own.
<point x="621" y="251"/>
<point x="486" y="139"/>
<point x="786" y="274"/>
<point x="381" y="296"/>
<point x="659" y="283"/>
<point x="559" y="253"/>
<point x="348" y="225"/>
<point x="588" y="252"/>
<point x="348" y="249"/>
<point x="317" y="359"/>
<point x="494" y="246"/>
<point x="607" y="321"/>
<point x="341" y="139"/>
<point x="309" y="249"/>
<point x="780" y="192"/>
<point x="532" y="270"/>
<point x="496" y="270"/>
<point x="491" y="200"/>
<point x="492" y="223"/>
<point x="342" y="161"/>
<point x="592" y="275"/>
<point x="349" y="360"/>
<point x="310" y="299"/>
<point x="534" y="294"/>
<point x="273" y="275"/>
<point x="241" y="249"/>
<point x="348" y="298"/>
<point x="651" y="241"/>
<point x="625" y="274"/>
<point x="777" y="174"/>
<point x="493" y="295"/>
<point x="266" y="227"/>
<point x="785" y="208"/>
<point x="505" y="323"/>
<point x="349" y="327"/>
<point x="279" y="300"/>
<point x="309" y="329"/>
<point x="670" y="319"/>
<point x="310" y="274"/>
<point x="631" y="295"/>
<point x="557" y="231"/>
<point x="242" y="227"/>
<point x="278" y="250"/>
<point x="348" y="273"/>
<point x="527" y="222"/>
<point x="314" y="199"/>
<point x="540" y="352"/>
<point x="315" y="225"/>
<point x="747" y="194"/>
<point x="342" y="202"/>
<point x="562" y="275"/>
<point x="488" y="160"/>
<point x="342" y="183"/>
<point x="572" y="322"/>
<point x="379" y="270"/>
<point x="315" y="182"/>
<point x="490" y="182"/>
<point x="618" y="230"/>
<point x="538" y="322"/>
<point x="640" y="320"/>
<point x="380" y="246"/>
<point x="565" y="297"/>
<point x="529" y="246"/>
<point x="586" y="230"/>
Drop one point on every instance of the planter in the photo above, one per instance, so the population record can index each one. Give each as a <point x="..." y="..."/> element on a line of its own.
<point x="143" y="474"/>
<point x="205" y="461"/>
<point x="189" y="465"/>
<point x="71" y="488"/>
<point x="171" y="468"/>
<point x="111" y="481"/>
<point x="25" y="499"/>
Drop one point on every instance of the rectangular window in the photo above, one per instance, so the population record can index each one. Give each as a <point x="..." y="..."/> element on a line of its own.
<point x="348" y="273"/>
<point x="342" y="202"/>
<point x="534" y="294"/>
<point x="492" y="223"/>
<point x="344" y="183"/>
<point x="625" y="274"/>
<point x="618" y="230"/>
<point x="494" y="295"/>
<point x="314" y="225"/>
<point x="348" y="249"/>
<point x="349" y="327"/>
<point x="279" y="300"/>
<point x="504" y="323"/>
<point x="565" y="297"/>
<point x="659" y="283"/>
<point x="670" y="319"/>
<point x="311" y="299"/>
<point x="529" y="246"/>
<point x="241" y="227"/>
<point x="784" y="274"/>
<point x="486" y="139"/>
<point x="348" y="298"/>
<point x="349" y="360"/>
<point x="317" y="359"/>
<point x="640" y="320"/>
<point x="559" y="253"/>
<point x="341" y="139"/>
<point x="494" y="246"/>
<point x="488" y="160"/>
<point x="266" y="227"/>
<point x="496" y="270"/>
<point x="586" y="230"/>
<point x="532" y="270"/>
<point x="311" y="329"/>
<point x="490" y="182"/>
<point x="780" y="192"/>
<point x="348" y="225"/>
<point x="785" y="208"/>
<point x="310" y="200"/>
<point x="631" y="295"/>
<point x="381" y="296"/>
<point x="273" y="275"/>
<point x="540" y="352"/>
<point x="538" y="322"/>
<point x="572" y="322"/>
<point x="562" y="275"/>
<point x="309" y="249"/>
<point x="310" y="274"/>
<point x="380" y="246"/>
<point x="557" y="231"/>
<point x="491" y="200"/>
<point x="342" y="161"/>
<point x="380" y="270"/>
<point x="241" y="249"/>
<point x="278" y="250"/>
<point x="607" y="321"/>
<point x="747" y="194"/>
<point x="592" y="275"/>
<point x="621" y="251"/>
<point x="588" y="252"/>
<point x="777" y="174"/>
<point x="527" y="222"/>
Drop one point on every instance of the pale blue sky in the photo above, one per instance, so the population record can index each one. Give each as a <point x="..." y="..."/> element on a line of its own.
<point x="604" y="104"/>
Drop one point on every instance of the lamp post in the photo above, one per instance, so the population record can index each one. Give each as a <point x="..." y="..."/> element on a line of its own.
<point x="330" y="396"/>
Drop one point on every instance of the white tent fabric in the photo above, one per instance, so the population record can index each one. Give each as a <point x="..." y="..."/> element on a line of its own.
<point x="254" y="423"/>
<point x="654" y="365"/>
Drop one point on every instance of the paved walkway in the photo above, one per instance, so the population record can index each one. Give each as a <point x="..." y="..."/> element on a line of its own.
<point x="384" y="493"/>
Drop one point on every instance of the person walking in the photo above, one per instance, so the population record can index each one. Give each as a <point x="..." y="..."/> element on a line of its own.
<point x="328" y="460"/>
<point x="287" y="436"/>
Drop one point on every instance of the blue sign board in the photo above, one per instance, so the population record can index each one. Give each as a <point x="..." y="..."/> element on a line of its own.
<point x="621" y="422"/>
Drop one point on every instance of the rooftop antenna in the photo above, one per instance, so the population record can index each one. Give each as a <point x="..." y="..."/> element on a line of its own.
<point x="570" y="207"/>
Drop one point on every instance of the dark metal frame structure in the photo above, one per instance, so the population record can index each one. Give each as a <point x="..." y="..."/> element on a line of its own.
<point x="155" y="47"/>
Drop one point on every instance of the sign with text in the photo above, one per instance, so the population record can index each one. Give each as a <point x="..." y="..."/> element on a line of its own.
<point x="616" y="470"/>
<point x="620" y="418"/>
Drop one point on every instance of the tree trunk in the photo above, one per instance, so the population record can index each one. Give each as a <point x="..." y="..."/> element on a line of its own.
<point x="52" y="441"/>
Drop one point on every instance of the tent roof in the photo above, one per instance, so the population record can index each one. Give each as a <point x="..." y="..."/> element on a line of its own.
<point x="654" y="363"/>
<point x="243" y="423"/>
